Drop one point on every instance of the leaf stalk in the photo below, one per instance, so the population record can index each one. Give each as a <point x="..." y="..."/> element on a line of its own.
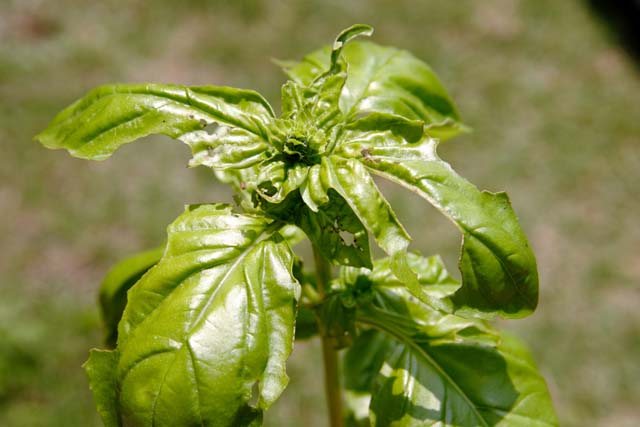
<point x="329" y="353"/>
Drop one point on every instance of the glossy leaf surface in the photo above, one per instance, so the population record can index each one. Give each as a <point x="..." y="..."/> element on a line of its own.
<point x="385" y="80"/>
<point x="499" y="272"/>
<point x="207" y="327"/>
<point x="113" y="115"/>
<point x="337" y="232"/>
<point x="421" y="366"/>
<point x="352" y="181"/>
<point x="209" y="323"/>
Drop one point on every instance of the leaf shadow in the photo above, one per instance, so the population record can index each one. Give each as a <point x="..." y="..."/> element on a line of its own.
<point x="459" y="382"/>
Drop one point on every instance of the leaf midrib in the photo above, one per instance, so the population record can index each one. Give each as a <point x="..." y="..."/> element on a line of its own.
<point x="372" y="77"/>
<point x="465" y="230"/>
<point x="421" y="352"/>
<point x="188" y="101"/>
<point x="265" y="234"/>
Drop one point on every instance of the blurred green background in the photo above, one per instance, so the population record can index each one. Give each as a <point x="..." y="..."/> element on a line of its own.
<point x="555" y="105"/>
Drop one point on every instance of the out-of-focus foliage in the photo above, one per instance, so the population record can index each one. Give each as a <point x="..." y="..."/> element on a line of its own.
<point x="554" y="109"/>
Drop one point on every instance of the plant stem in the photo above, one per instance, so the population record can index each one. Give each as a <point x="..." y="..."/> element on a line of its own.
<point x="330" y="355"/>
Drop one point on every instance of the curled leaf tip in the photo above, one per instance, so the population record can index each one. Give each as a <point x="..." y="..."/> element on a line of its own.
<point x="345" y="36"/>
<point x="351" y="33"/>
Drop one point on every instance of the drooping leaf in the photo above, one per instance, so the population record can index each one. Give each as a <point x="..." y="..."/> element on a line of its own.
<point x="436" y="368"/>
<point x="455" y="384"/>
<point x="113" y="115"/>
<point x="385" y="80"/>
<point x="384" y="294"/>
<point x="114" y="287"/>
<point x="210" y="325"/>
<point x="499" y="272"/>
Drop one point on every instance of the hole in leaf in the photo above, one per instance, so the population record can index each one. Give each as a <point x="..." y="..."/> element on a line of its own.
<point x="210" y="128"/>
<point x="255" y="395"/>
<point x="347" y="237"/>
<point x="267" y="188"/>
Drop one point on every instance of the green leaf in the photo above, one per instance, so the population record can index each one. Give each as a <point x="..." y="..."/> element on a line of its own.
<point x="226" y="148"/>
<point x="428" y="304"/>
<point x="336" y="231"/>
<point x="207" y="331"/>
<point x="344" y="37"/>
<point x="337" y="319"/>
<point x="113" y="115"/>
<point x="292" y="234"/>
<point x="312" y="65"/>
<point x="101" y="370"/>
<point x="352" y="181"/>
<point x="114" y="287"/>
<point x="385" y="80"/>
<point x="315" y="105"/>
<point x="361" y="366"/>
<point x="318" y="101"/>
<point x="278" y="179"/>
<point x="306" y="324"/>
<point x="499" y="272"/>
<point x="435" y="367"/>
<point x="433" y="284"/>
<point x="454" y="384"/>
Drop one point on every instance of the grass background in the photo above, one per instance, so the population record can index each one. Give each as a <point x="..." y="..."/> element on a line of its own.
<point x="555" y="105"/>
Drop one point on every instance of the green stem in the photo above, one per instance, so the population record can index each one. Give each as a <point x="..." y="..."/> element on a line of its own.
<point x="330" y="355"/>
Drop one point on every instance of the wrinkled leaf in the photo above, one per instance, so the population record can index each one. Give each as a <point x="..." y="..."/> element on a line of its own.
<point x="114" y="287"/>
<point x="336" y="232"/>
<point x="321" y="105"/>
<point x="433" y="284"/>
<point x="422" y="366"/>
<point x="385" y="80"/>
<point x="385" y="296"/>
<point x="455" y="384"/>
<point x="352" y="181"/>
<point x="113" y="115"/>
<point x="499" y="272"/>
<point x="210" y="325"/>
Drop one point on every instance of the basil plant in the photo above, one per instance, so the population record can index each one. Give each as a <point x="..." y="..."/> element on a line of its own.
<point x="199" y="330"/>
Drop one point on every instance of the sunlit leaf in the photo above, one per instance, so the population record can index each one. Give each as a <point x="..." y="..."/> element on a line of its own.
<point x="209" y="326"/>
<point x="499" y="272"/>
<point x="385" y="80"/>
<point x="112" y="115"/>
<point x="421" y="366"/>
